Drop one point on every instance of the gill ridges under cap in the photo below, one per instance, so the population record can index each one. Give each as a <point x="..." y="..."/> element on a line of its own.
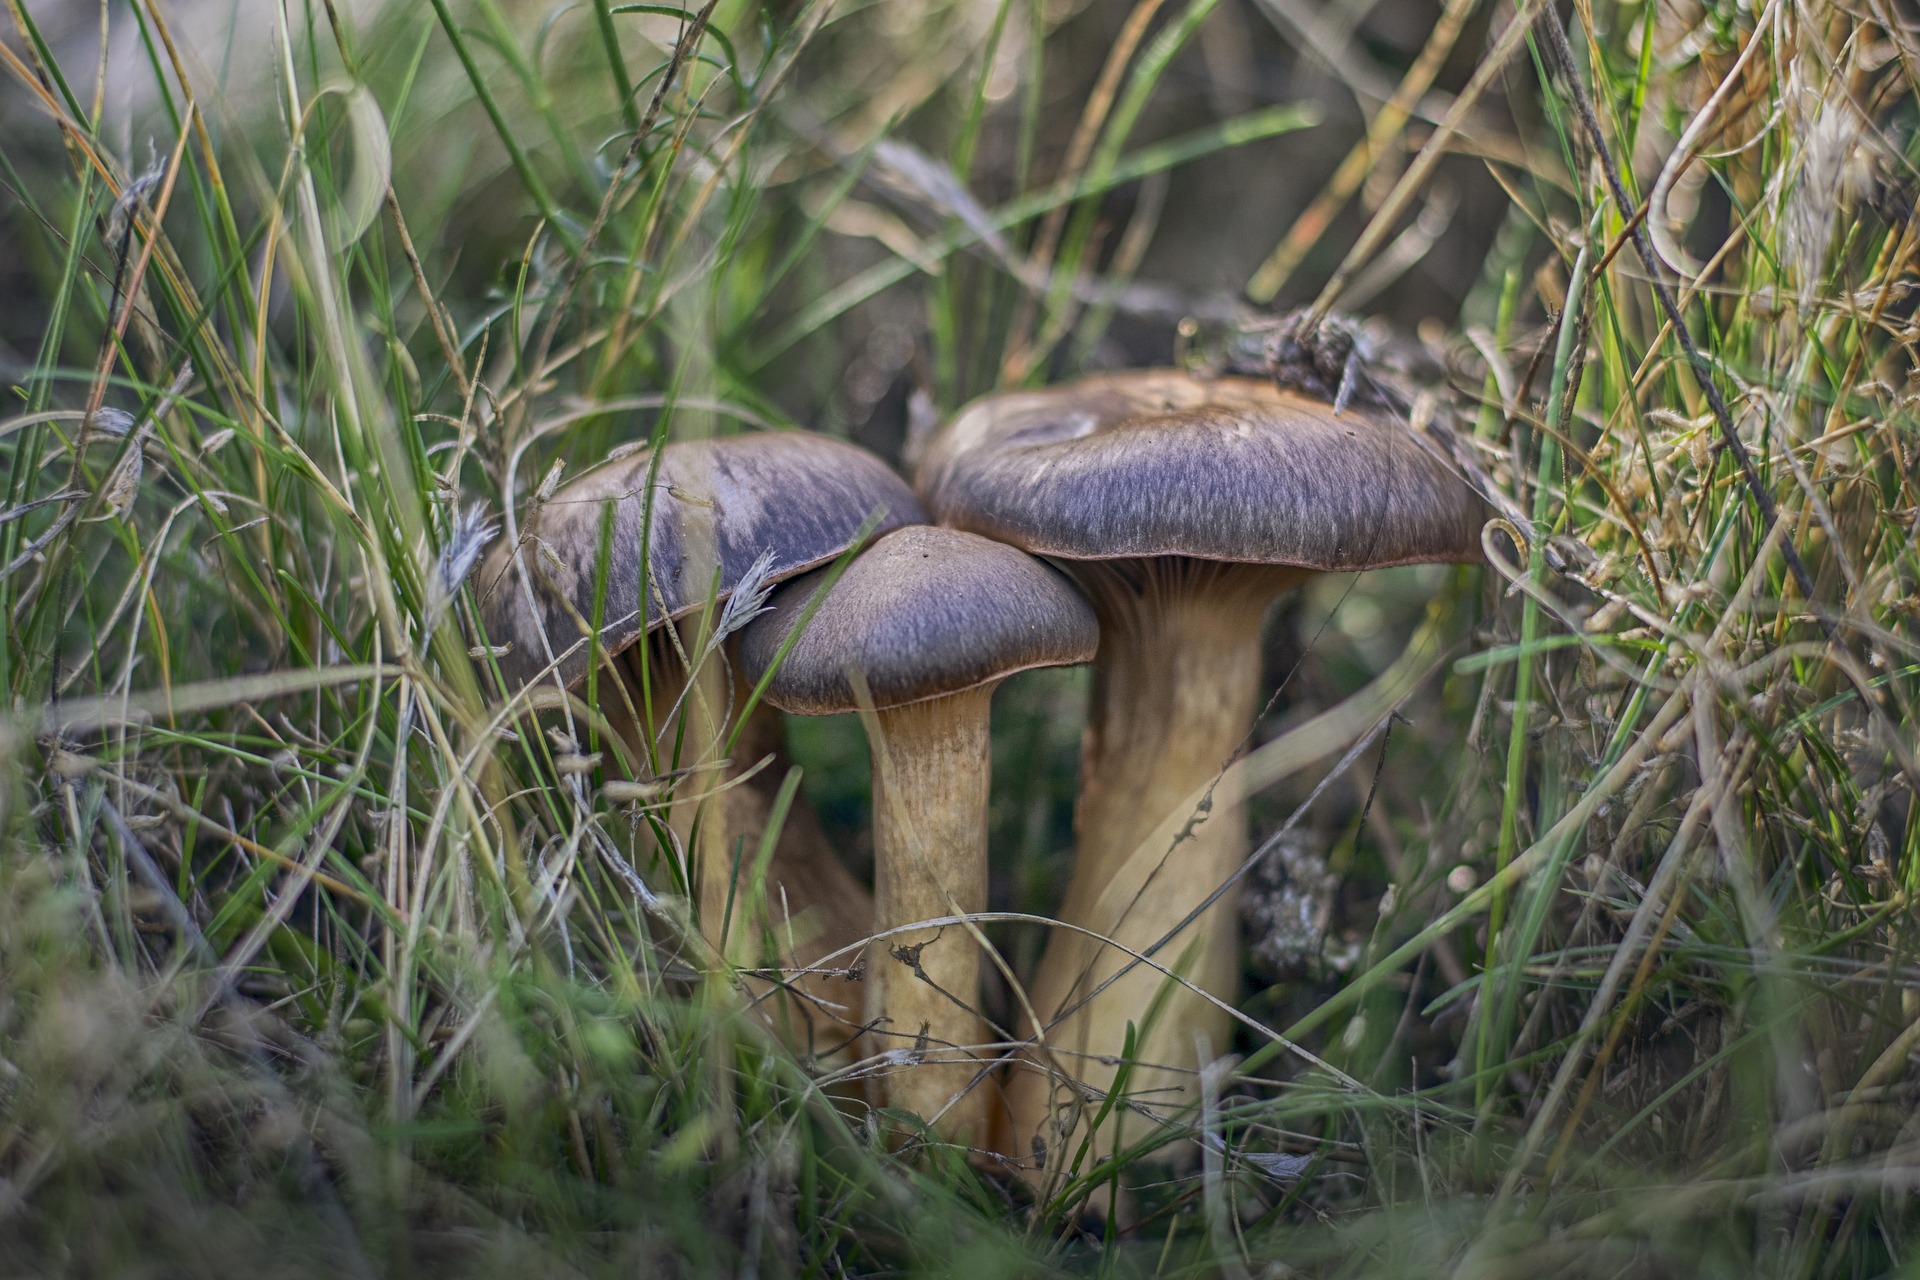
<point x="1163" y="463"/>
<point x="921" y="613"/>
<point x="720" y="502"/>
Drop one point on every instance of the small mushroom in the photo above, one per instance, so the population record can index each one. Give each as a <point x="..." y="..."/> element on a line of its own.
<point x="930" y="621"/>
<point x="1183" y="507"/>
<point x="726" y="513"/>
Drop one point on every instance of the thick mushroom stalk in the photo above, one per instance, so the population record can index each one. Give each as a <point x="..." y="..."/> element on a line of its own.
<point x="1175" y="690"/>
<point x="1183" y="505"/>
<point x="932" y="621"/>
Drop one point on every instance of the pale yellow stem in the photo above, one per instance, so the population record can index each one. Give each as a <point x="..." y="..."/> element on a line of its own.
<point x="1175" y="688"/>
<point x="931" y="772"/>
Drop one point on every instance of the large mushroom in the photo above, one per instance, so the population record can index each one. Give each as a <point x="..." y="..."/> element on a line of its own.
<point x="1183" y="506"/>
<point x="725" y="513"/>
<point x="930" y="621"/>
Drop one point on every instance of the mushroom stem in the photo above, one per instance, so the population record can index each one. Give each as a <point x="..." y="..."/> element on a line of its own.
<point x="930" y="775"/>
<point x="1174" y="693"/>
<point x="815" y="906"/>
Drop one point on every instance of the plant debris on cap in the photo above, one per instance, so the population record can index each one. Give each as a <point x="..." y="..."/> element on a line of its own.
<point x="922" y="613"/>
<point x="723" y="503"/>
<point x="1162" y="463"/>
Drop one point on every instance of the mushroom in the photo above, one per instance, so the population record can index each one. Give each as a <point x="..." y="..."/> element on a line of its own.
<point x="929" y="621"/>
<point x="727" y="513"/>
<point x="1183" y="507"/>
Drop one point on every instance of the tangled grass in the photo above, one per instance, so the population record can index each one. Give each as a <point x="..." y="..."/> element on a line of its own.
<point x="318" y="956"/>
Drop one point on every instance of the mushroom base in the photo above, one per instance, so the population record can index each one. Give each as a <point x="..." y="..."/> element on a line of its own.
<point x="930" y="776"/>
<point x="1175" y="687"/>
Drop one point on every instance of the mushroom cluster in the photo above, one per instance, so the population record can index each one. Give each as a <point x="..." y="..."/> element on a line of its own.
<point x="1145" y="521"/>
<point x="1183" y="506"/>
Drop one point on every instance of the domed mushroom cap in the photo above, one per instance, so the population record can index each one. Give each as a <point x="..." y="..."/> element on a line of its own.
<point x="1166" y="464"/>
<point x="921" y="613"/>
<point x="717" y="504"/>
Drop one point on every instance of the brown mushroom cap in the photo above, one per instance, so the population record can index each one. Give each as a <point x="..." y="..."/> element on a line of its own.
<point x="718" y="503"/>
<point x="1162" y="463"/>
<point x="922" y="613"/>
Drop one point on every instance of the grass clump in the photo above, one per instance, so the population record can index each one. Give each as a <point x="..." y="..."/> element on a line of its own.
<point x="320" y="953"/>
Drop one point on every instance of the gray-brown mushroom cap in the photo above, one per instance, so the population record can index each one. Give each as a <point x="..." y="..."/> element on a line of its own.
<point x="921" y="613"/>
<point x="1162" y="463"/>
<point x="717" y="504"/>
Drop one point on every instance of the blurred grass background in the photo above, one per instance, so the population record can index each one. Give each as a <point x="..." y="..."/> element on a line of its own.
<point x="314" y="961"/>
